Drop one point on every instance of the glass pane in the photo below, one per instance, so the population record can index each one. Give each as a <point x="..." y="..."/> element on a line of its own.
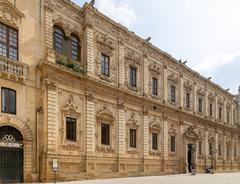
<point x="3" y="49"/>
<point x="105" y="134"/>
<point x="4" y="101"/>
<point x="12" y="101"/>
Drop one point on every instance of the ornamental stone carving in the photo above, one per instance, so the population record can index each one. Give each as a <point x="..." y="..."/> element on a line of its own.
<point x="191" y="133"/>
<point x="9" y="13"/>
<point x="154" y="72"/>
<point x="133" y="59"/>
<point x="105" y="46"/>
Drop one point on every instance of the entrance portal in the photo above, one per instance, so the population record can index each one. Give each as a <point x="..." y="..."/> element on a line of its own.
<point x="11" y="159"/>
<point x="189" y="157"/>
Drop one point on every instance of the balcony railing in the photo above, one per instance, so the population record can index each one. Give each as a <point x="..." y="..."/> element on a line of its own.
<point x="76" y="66"/>
<point x="15" y="68"/>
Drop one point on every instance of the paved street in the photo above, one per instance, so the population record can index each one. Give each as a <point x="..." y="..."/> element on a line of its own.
<point x="225" y="178"/>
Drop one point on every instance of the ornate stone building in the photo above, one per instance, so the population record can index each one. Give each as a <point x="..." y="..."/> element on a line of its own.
<point x="81" y="92"/>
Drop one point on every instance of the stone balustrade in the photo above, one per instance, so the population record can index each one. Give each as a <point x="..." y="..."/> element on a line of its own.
<point x="14" y="68"/>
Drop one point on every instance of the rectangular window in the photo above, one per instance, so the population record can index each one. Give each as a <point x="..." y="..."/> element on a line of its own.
<point x="8" y="101"/>
<point x="173" y="93"/>
<point x="154" y="141"/>
<point x="8" y="42"/>
<point x="133" y="76"/>
<point x="200" y="148"/>
<point x="210" y="148"/>
<point x="133" y="138"/>
<point x="219" y="150"/>
<point x="220" y="113"/>
<point x="154" y="86"/>
<point x="200" y="101"/>
<point x="211" y="109"/>
<point x="173" y="144"/>
<point x="187" y="100"/>
<point x="105" y="64"/>
<point x="235" y="152"/>
<point x="105" y="134"/>
<point x="71" y="129"/>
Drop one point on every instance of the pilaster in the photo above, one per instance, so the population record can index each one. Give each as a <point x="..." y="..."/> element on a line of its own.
<point x="165" y="83"/>
<point x="121" y="129"/>
<point x="52" y="115"/>
<point x="194" y="97"/>
<point x="181" y="91"/>
<point x="89" y="53"/>
<point x="145" y="75"/>
<point x="48" y="26"/>
<point x="90" y="130"/>
<point x="145" y="134"/>
<point x="121" y="63"/>
<point x="165" y="143"/>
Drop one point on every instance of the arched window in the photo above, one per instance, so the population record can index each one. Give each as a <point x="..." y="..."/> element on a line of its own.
<point x="68" y="47"/>
<point x="58" y="40"/>
<point x="75" y="48"/>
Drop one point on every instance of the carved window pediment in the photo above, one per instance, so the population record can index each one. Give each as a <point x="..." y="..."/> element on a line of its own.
<point x="106" y="42"/>
<point x="105" y="114"/>
<point x="133" y="56"/>
<point x="155" y="68"/>
<point x="105" y="46"/>
<point x="188" y="85"/>
<point x="211" y="97"/>
<point x="70" y="106"/>
<point x="201" y="91"/>
<point x="155" y="125"/>
<point x="133" y="120"/>
<point x="9" y="13"/>
<point x="191" y="133"/>
<point x="173" y="77"/>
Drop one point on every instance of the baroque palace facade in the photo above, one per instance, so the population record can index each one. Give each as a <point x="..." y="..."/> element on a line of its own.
<point x="83" y="95"/>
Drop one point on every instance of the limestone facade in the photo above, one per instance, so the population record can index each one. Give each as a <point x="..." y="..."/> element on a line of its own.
<point x="50" y="91"/>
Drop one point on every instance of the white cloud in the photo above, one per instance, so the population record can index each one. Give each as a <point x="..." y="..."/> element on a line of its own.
<point x="120" y="12"/>
<point x="209" y="65"/>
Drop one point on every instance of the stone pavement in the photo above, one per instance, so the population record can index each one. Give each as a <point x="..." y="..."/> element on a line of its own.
<point x="218" y="178"/>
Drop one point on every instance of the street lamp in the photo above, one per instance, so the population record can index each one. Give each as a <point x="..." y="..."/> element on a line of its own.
<point x="193" y="160"/>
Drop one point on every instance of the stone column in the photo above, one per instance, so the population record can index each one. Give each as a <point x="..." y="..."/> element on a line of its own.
<point x="121" y="69"/>
<point x="88" y="43"/>
<point x="165" y="83"/>
<point x="165" y="143"/>
<point x="146" y="75"/>
<point x="232" y="151"/>
<point x="52" y="115"/>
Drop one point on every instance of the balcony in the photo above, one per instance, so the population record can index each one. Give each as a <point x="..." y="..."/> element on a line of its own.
<point x="65" y="62"/>
<point x="13" y="70"/>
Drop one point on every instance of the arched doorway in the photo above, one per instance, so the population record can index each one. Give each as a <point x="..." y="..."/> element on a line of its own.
<point x="11" y="151"/>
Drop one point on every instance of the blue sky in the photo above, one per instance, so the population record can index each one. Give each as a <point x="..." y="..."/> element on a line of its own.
<point x="206" y="33"/>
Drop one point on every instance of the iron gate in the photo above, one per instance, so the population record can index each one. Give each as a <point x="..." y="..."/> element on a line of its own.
<point x="11" y="165"/>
